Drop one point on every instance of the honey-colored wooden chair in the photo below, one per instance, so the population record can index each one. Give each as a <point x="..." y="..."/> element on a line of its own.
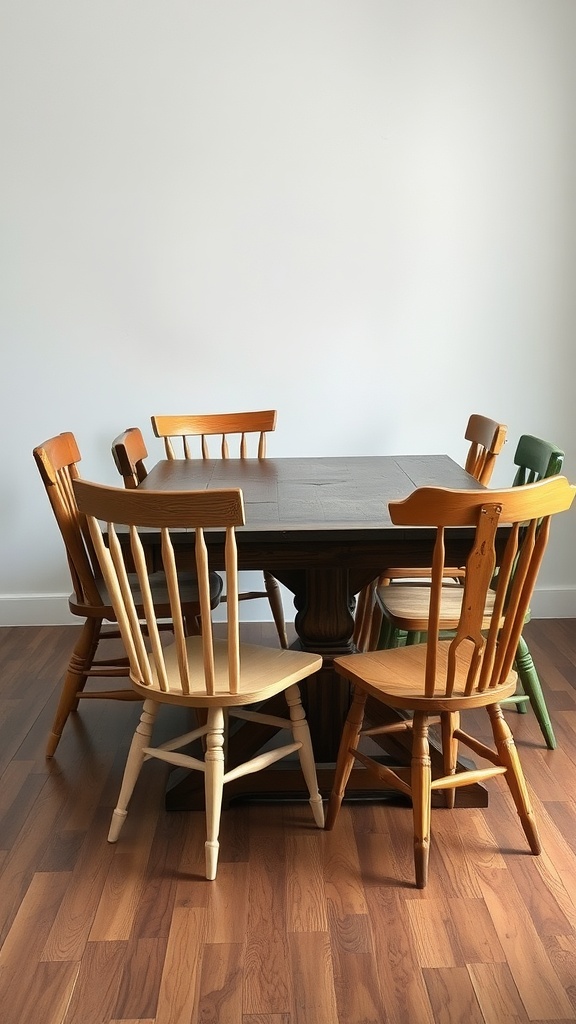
<point x="223" y="677"/>
<point x="183" y="433"/>
<point x="57" y="460"/>
<point x="440" y="679"/>
<point x="403" y="607"/>
<point x="486" y="439"/>
<point x="130" y="453"/>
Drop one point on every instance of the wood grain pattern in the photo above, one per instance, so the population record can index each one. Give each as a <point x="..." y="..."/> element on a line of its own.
<point x="300" y="925"/>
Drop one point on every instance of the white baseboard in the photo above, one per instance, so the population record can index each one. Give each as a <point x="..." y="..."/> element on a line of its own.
<point x="52" y="609"/>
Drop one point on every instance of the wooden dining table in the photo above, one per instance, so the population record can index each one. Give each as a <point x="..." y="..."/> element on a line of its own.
<point x="321" y="526"/>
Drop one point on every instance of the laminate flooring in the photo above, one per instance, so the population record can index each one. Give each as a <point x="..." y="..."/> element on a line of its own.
<point x="301" y="925"/>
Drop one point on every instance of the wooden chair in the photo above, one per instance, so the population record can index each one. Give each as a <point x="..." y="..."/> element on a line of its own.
<point x="223" y="677"/>
<point x="57" y="460"/>
<point x="474" y="669"/>
<point x="487" y="438"/>
<point x="129" y="453"/>
<point x="182" y="432"/>
<point x="404" y="607"/>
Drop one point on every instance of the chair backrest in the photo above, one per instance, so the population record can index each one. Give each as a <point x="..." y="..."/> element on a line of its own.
<point x="57" y="459"/>
<point x="129" y="452"/>
<point x="483" y="661"/>
<point x="536" y="460"/>
<point x="487" y="439"/>
<point x="214" y="424"/>
<point x="139" y="510"/>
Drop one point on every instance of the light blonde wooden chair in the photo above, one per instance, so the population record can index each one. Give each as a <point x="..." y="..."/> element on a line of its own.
<point x="223" y="677"/>
<point x="487" y="438"/>
<point x="473" y="669"/>
<point x="57" y="460"/>
<point x="182" y="433"/>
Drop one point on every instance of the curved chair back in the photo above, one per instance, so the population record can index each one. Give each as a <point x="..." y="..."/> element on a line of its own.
<point x="129" y="453"/>
<point x="487" y="439"/>
<point x="215" y="424"/>
<point x="536" y="459"/>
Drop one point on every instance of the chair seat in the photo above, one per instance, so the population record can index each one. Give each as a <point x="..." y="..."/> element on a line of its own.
<point x="407" y="605"/>
<point x="264" y="672"/>
<point x="189" y="590"/>
<point x="396" y="677"/>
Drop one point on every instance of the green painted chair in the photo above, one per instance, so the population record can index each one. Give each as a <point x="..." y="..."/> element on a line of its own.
<point x="405" y="606"/>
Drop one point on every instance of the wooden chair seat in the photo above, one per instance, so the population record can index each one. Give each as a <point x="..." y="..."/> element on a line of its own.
<point x="394" y="676"/>
<point x="160" y="596"/>
<point x="264" y="672"/>
<point x="407" y="606"/>
<point x="222" y="678"/>
<point x="442" y="678"/>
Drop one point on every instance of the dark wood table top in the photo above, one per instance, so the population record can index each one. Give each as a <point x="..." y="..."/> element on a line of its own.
<point x="339" y="497"/>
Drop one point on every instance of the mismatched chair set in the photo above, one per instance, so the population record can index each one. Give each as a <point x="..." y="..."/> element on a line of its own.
<point x="470" y="656"/>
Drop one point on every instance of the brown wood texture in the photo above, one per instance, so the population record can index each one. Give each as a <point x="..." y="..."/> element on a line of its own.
<point x="300" y="925"/>
<point x="322" y="527"/>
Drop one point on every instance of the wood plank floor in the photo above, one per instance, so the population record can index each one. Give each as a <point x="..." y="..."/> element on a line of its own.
<point x="301" y="925"/>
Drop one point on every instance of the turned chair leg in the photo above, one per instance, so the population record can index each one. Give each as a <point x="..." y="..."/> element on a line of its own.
<point x="345" y="760"/>
<point x="421" y="779"/>
<point x="301" y="734"/>
<point x="450" y="720"/>
<point x="75" y="679"/>
<point x="213" y="787"/>
<point x="514" y="776"/>
<point x="531" y="685"/>
<point x="136" y="757"/>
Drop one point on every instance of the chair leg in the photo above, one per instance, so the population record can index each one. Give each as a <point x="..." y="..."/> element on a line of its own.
<point x="213" y="787"/>
<point x="514" y="776"/>
<point x="420" y="783"/>
<point x="345" y="760"/>
<point x="450" y="720"/>
<point x="134" y="762"/>
<point x="376" y="626"/>
<point x="272" y="588"/>
<point x="301" y="734"/>
<point x="363" y="618"/>
<point x="75" y="680"/>
<point x="531" y="685"/>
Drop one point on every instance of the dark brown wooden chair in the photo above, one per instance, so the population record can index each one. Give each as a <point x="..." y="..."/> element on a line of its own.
<point x="442" y="678"/>
<point x="57" y="460"/>
<point x="182" y="432"/>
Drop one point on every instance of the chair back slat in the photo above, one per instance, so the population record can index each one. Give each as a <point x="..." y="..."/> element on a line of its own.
<point x="166" y="511"/>
<point x="233" y="611"/>
<point x="217" y="425"/>
<point x="111" y="559"/>
<point x="487" y="439"/>
<point x="480" y="658"/>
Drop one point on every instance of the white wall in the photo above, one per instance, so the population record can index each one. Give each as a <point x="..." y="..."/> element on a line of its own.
<point x="360" y="212"/>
